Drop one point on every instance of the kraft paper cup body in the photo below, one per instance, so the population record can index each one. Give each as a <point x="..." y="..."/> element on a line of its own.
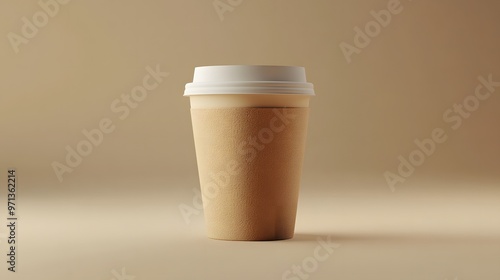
<point x="249" y="126"/>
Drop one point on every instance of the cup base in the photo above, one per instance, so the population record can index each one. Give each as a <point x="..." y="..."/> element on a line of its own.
<point x="276" y="238"/>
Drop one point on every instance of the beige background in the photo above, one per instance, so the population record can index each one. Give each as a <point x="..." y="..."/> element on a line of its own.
<point x="119" y="208"/>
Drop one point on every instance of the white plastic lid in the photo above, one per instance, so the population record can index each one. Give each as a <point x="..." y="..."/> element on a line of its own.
<point x="249" y="79"/>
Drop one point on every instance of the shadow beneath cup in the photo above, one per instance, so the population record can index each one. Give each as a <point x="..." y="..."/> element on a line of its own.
<point x="392" y="237"/>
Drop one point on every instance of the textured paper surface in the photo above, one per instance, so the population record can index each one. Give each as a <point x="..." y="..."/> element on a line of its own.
<point x="250" y="162"/>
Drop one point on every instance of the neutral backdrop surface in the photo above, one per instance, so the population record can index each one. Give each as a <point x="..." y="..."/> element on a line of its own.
<point x="388" y="74"/>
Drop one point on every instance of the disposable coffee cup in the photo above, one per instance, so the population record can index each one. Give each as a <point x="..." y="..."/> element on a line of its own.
<point x="249" y="125"/>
